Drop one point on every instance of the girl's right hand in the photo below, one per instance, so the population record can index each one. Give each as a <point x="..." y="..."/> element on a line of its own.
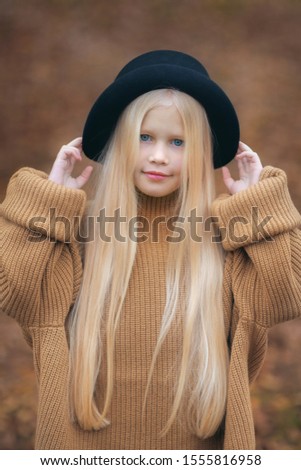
<point x="64" y="163"/>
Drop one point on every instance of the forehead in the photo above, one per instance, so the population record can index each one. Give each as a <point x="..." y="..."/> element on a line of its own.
<point x="163" y="117"/>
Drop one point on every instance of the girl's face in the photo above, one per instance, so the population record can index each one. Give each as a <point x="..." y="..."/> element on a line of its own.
<point x="158" y="169"/>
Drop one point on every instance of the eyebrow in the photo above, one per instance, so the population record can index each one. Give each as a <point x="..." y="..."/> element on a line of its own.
<point x="172" y="135"/>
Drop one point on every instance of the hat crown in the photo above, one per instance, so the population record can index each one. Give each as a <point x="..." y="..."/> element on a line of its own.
<point x="163" y="57"/>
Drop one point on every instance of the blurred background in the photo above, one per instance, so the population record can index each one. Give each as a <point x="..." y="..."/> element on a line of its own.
<point x="57" y="56"/>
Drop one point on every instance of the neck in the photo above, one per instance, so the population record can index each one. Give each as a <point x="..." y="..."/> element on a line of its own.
<point x="155" y="213"/>
<point x="153" y="206"/>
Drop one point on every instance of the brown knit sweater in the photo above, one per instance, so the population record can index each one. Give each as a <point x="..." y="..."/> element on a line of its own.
<point x="39" y="282"/>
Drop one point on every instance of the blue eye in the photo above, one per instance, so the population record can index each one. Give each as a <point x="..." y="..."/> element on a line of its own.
<point x="144" y="137"/>
<point x="178" y="142"/>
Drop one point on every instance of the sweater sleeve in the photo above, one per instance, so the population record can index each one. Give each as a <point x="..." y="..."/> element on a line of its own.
<point x="40" y="266"/>
<point x="262" y="227"/>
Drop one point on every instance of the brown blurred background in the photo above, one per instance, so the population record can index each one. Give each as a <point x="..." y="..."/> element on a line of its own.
<point x="56" y="57"/>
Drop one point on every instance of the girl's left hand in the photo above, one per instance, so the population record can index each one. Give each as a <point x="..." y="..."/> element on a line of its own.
<point x="249" y="167"/>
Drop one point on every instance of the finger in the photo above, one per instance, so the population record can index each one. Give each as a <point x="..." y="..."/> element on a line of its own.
<point x="241" y="165"/>
<point x="76" y="142"/>
<point x="249" y="158"/>
<point x="242" y="146"/>
<point x="68" y="152"/>
<point x="74" y="151"/>
<point x="228" y="180"/>
<point x="84" y="176"/>
<point x="245" y="159"/>
<point x="246" y="154"/>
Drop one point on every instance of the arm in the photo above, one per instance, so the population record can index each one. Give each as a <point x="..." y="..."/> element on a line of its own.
<point x="40" y="270"/>
<point x="260" y="224"/>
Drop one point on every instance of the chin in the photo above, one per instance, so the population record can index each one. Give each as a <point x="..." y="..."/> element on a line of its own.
<point x="155" y="192"/>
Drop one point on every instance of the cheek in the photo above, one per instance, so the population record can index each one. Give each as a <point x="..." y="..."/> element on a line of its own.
<point x="179" y="162"/>
<point x="140" y="159"/>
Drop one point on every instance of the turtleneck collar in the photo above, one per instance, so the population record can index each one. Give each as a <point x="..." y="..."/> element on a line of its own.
<point x="151" y="206"/>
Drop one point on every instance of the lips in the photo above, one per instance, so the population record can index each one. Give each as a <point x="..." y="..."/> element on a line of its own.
<point x="155" y="175"/>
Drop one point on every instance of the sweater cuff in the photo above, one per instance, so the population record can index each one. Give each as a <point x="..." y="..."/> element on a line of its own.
<point x="258" y="213"/>
<point x="45" y="208"/>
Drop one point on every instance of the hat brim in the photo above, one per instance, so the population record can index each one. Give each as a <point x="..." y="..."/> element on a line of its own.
<point x="103" y="116"/>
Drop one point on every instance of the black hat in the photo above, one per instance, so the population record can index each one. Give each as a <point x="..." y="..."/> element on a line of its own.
<point x="156" y="70"/>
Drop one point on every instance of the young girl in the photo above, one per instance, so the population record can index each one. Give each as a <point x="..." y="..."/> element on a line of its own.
<point x="149" y="339"/>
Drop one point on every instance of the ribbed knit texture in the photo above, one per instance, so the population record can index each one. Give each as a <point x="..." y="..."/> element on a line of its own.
<point x="39" y="281"/>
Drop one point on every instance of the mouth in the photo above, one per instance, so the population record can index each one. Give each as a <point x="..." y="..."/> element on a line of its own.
<point x="155" y="175"/>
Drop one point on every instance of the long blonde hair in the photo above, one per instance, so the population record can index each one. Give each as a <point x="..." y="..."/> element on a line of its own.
<point x="197" y="266"/>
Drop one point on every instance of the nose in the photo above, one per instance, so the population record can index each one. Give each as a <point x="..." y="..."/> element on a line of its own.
<point x="159" y="154"/>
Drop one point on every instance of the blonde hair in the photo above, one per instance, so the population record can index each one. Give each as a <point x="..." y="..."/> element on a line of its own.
<point x="202" y="375"/>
